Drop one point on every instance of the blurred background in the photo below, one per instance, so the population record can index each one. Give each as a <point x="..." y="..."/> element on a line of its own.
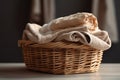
<point x="14" y="14"/>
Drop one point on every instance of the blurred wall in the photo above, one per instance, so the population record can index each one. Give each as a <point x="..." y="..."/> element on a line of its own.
<point x="14" y="14"/>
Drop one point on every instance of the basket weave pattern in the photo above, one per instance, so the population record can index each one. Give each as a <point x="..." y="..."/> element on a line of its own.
<point x="60" y="57"/>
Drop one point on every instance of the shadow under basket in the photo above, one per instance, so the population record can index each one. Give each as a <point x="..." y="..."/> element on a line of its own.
<point x="60" y="57"/>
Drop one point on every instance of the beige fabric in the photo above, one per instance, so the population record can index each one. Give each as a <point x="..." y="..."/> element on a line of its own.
<point x="74" y="20"/>
<point x="104" y="10"/>
<point x="99" y="39"/>
<point x="32" y="33"/>
<point x="42" y="11"/>
<point x="79" y="27"/>
<point x="49" y="10"/>
<point x="36" y="12"/>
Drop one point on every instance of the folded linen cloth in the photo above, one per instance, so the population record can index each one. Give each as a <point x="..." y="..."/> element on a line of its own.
<point x="72" y="21"/>
<point x="97" y="39"/>
<point x="32" y="33"/>
<point x="79" y="27"/>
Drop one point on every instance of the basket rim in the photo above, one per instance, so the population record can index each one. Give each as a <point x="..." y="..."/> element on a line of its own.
<point x="26" y="43"/>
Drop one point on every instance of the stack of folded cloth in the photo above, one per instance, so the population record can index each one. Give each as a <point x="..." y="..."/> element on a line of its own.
<point x="80" y="28"/>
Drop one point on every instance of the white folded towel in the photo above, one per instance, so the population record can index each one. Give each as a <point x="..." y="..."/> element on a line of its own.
<point x="97" y="39"/>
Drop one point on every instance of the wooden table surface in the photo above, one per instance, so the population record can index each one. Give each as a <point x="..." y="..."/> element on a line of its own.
<point x="18" y="71"/>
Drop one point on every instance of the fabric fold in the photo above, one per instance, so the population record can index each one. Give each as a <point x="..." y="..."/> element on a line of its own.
<point x="32" y="32"/>
<point x="98" y="39"/>
<point x="94" y="40"/>
<point x="99" y="42"/>
<point x="80" y="28"/>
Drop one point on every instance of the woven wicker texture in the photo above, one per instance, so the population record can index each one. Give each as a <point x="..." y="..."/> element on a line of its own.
<point x="60" y="57"/>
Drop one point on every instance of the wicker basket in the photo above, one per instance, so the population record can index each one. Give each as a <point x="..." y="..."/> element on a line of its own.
<point x="61" y="57"/>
